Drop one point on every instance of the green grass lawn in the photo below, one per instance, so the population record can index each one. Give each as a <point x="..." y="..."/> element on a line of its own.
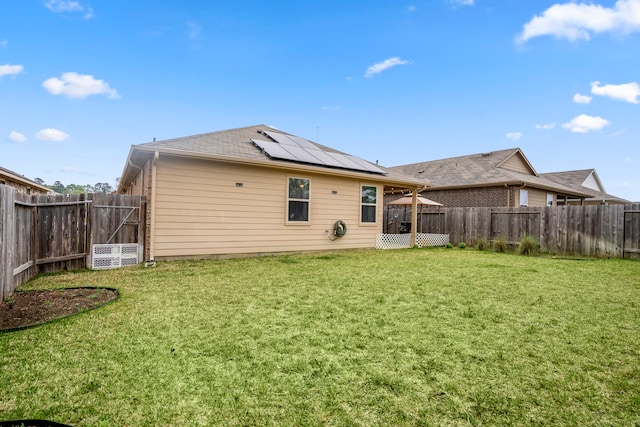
<point x="407" y="337"/>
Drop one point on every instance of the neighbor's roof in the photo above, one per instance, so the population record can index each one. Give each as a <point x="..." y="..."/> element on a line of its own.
<point x="16" y="177"/>
<point x="583" y="180"/>
<point x="484" y="170"/>
<point x="236" y="146"/>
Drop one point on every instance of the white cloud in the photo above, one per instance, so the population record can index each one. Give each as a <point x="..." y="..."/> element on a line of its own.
<point x="463" y="2"/>
<point x="10" y="69"/>
<point x="514" y="136"/>
<point x="17" y="137"/>
<point x="581" y="99"/>
<point x="62" y="6"/>
<point x="547" y="126"/>
<point x="584" y="124"/>
<point x="617" y="133"/>
<point x="577" y="21"/>
<point x="384" y="65"/>
<point x="52" y="135"/>
<point x="74" y="85"/>
<point x="4" y="43"/>
<point x="625" y="92"/>
<point x="59" y="6"/>
<point x="412" y="8"/>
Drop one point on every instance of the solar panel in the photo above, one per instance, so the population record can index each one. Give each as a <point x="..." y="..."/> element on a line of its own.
<point x="293" y="148"/>
<point x="290" y="140"/>
<point x="274" y="150"/>
<point x="327" y="160"/>
<point x="345" y="160"/>
<point x="366" y="165"/>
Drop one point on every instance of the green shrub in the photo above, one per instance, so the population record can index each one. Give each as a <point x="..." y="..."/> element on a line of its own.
<point x="481" y="244"/>
<point x="449" y="245"/>
<point x="462" y="245"/>
<point x="500" y="245"/>
<point x="528" y="245"/>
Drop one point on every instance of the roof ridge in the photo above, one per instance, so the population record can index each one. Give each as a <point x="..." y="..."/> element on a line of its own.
<point x="467" y="156"/>
<point x="208" y="133"/>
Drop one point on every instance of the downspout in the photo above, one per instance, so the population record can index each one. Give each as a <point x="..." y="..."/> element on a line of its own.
<point x="130" y="163"/>
<point x="414" y="217"/>
<point x="152" y="216"/>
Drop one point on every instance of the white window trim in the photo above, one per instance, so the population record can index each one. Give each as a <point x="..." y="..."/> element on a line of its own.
<point x="361" y="222"/>
<point x="552" y="199"/>
<point x="524" y="199"/>
<point x="288" y="199"/>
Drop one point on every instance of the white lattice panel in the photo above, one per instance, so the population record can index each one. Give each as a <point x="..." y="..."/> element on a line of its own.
<point x="393" y="241"/>
<point x="399" y="241"/>
<point x="114" y="256"/>
<point x="429" y="240"/>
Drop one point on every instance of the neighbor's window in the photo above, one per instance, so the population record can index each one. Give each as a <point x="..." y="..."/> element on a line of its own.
<point x="368" y="203"/>
<point x="524" y="198"/>
<point x="549" y="199"/>
<point x="298" y="200"/>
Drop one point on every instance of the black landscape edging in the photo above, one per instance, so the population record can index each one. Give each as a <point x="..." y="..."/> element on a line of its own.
<point x="21" y="328"/>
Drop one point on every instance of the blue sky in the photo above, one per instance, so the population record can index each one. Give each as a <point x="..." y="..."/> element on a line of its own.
<point x="394" y="81"/>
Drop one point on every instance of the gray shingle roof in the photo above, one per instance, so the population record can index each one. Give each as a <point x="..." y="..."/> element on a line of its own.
<point x="235" y="144"/>
<point x="576" y="179"/>
<point x="482" y="170"/>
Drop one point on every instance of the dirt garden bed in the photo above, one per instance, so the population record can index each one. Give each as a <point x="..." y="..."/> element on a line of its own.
<point x="30" y="308"/>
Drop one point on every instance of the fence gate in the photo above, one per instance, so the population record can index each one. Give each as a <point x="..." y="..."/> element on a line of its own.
<point x="117" y="231"/>
<point x="631" y="245"/>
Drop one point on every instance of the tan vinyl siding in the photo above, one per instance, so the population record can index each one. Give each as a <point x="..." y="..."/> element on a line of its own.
<point x="201" y="211"/>
<point x="517" y="164"/>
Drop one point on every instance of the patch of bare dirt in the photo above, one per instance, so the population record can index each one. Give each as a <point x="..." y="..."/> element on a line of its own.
<point x="30" y="308"/>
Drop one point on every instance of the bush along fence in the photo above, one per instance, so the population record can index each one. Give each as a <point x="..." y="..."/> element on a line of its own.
<point x="50" y="233"/>
<point x="591" y="230"/>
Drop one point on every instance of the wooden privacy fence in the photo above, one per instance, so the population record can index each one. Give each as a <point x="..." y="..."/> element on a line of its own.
<point x="49" y="233"/>
<point x="590" y="230"/>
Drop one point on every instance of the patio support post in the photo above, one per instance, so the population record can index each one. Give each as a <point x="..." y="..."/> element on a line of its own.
<point x="414" y="217"/>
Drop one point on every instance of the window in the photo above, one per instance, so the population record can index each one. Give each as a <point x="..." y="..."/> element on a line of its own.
<point x="549" y="199"/>
<point x="298" y="200"/>
<point x="524" y="198"/>
<point x="368" y="203"/>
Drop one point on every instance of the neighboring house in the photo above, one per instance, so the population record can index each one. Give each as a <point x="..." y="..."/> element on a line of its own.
<point x="20" y="183"/>
<point x="255" y="190"/>
<point x="498" y="178"/>
<point x="587" y="181"/>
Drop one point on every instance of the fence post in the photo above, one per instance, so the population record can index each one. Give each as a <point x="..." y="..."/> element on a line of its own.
<point x="7" y="240"/>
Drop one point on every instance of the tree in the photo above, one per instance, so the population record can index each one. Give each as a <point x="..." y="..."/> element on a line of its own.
<point x="102" y="187"/>
<point x="58" y="187"/>
<point x="78" y="189"/>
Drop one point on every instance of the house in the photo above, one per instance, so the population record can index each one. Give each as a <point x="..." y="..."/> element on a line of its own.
<point x="20" y="183"/>
<point x="585" y="180"/>
<point x="256" y="190"/>
<point x="493" y="179"/>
